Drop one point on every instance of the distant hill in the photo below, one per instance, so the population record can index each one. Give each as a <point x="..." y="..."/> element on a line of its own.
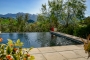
<point x="30" y="21"/>
<point x="31" y="16"/>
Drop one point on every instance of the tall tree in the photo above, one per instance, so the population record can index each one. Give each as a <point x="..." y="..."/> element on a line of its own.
<point x="26" y="18"/>
<point x="0" y="24"/>
<point x="19" y="22"/>
<point x="55" y="8"/>
<point x="66" y="11"/>
<point x="11" y="25"/>
<point x="75" y="10"/>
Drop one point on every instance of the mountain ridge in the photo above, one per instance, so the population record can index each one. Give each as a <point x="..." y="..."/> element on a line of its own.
<point x="31" y="16"/>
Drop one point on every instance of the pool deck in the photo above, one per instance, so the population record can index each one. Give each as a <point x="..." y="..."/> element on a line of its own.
<point x="70" y="52"/>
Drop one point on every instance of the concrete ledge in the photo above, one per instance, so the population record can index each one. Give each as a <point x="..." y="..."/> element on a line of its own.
<point x="67" y="36"/>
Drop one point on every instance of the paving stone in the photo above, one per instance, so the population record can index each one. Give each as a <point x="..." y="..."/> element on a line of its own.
<point x="60" y="48"/>
<point x="81" y="53"/>
<point x="73" y="47"/>
<point x="78" y="59"/>
<point x="34" y="51"/>
<point x="39" y="57"/>
<point x="69" y="54"/>
<point x="54" y="56"/>
<point x="87" y="58"/>
<point x="46" y="49"/>
<point x="81" y="46"/>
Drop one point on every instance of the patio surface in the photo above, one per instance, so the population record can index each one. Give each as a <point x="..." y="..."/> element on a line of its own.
<point x="70" y="52"/>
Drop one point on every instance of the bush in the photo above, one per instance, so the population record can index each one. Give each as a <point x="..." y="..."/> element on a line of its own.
<point x="82" y="31"/>
<point x="67" y="30"/>
<point x="13" y="51"/>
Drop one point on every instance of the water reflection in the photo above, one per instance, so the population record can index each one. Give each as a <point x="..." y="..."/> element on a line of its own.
<point x="53" y="40"/>
<point x="43" y="39"/>
<point x="36" y="39"/>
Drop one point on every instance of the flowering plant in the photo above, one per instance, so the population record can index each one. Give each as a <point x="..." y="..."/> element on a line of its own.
<point x="13" y="51"/>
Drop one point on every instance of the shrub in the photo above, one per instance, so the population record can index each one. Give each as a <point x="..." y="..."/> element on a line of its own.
<point x="87" y="45"/>
<point x="13" y="51"/>
<point x="82" y="31"/>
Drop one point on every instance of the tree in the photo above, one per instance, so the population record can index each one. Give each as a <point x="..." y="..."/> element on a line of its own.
<point x="11" y="25"/>
<point x="20" y="22"/>
<point x="43" y="24"/>
<point x="40" y="18"/>
<point x="87" y="20"/>
<point x="26" y="18"/>
<point x="0" y="23"/>
<point x="76" y="9"/>
<point x="25" y="24"/>
<point x="65" y="11"/>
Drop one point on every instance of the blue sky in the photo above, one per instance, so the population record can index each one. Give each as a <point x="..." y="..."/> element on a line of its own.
<point x="87" y="13"/>
<point x="27" y="6"/>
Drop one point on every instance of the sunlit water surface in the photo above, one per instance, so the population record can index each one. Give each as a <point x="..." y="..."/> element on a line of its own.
<point x="37" y="39"/>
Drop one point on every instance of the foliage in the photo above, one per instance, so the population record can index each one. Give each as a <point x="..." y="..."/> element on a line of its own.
<point x="14" y="51"/>
<point x="82" y="31"/>
<point x="66" y="11"/>
<point x="68" y="30"/>
<point x="87" y="45"/>
<point x="87" y="20"/>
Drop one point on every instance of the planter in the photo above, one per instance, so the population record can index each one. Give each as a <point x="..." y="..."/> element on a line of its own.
<point x="52" y="28"/>
<point x="55" y="29"/>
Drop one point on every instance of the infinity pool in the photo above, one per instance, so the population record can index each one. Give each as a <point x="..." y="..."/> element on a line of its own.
<point x="37" y="39"/>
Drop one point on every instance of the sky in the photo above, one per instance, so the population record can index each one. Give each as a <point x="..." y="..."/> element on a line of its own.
<point x="25" y="6"/>
<point x="28" y="6"/>
<point x="87" y="12"/>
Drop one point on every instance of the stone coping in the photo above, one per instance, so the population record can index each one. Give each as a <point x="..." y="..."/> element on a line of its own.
<point x="67" y="36"/>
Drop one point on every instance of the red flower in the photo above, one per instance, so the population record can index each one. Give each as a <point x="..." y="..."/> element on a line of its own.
<point x="8" y="56"/>
<point x="11" y="59"/>
<point x="1" y="39"/>
<point x="28" y="55"/>
<point x="15" y="49"/>
<point x="11" y="45"/>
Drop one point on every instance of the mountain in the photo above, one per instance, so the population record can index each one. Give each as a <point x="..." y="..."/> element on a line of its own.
<point x="31" y="16"/>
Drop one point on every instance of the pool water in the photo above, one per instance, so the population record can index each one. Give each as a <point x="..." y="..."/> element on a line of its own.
<point x="37" y="39"/>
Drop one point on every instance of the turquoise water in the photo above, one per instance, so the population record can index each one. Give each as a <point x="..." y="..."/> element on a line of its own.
<point x="37" y="39"/>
